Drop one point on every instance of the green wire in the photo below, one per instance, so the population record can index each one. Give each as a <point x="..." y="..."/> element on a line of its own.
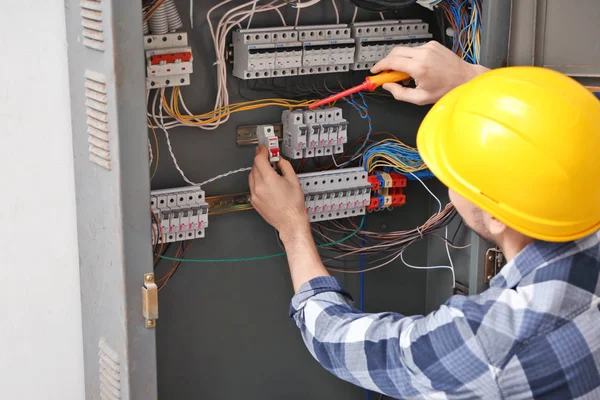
<point x="224" y="260"/>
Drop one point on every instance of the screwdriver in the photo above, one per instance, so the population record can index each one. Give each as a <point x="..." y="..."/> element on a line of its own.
<point x="371" y="83"/>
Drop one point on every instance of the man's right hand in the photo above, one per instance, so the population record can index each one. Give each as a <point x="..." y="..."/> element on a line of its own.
<point x="435" y="69"/>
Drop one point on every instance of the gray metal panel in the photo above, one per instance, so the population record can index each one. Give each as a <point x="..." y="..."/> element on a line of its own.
<point x="495" y="33"/>
<point x="112" y="205"/>
<point x="557" y="34"/>
<point x="224" y="330"/>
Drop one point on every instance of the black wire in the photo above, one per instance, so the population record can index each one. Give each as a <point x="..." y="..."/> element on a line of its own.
<point x="456" y="232"/>
<point x="382" y="396"/>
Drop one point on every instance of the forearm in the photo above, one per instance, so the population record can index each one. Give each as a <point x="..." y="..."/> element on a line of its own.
<point x="303" y="258"/>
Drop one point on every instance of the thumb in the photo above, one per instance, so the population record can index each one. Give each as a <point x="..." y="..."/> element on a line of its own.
<point x="416" y="96"/>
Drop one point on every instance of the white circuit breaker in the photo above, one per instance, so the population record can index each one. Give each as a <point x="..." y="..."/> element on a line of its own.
<point x="277" y="52"/>
<point x="317" y="133"/>
<point x="374" y="40"/>
<point x="178" y="214"/>
<point x="335" y="194"/>
<point x="169" y="60"/>
<point x="266" y="137"/>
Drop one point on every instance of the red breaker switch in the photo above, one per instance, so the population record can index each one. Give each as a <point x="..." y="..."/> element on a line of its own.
<point x="266" y="137"/>
<point x="161" y="59"/>
<point x="375" y="183"/>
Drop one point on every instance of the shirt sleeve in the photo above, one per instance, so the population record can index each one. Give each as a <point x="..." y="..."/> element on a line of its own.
<point x="402" y="357"/>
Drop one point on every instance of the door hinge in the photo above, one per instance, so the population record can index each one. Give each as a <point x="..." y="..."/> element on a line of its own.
<point x="494" y="261"/>
<point x="150" y="301"/>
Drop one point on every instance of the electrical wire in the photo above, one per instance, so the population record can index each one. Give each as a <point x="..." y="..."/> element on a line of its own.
<point x="226" y="260"/>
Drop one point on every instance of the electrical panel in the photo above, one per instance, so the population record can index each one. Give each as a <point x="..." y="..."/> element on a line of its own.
<point x="335" y="194"/>
<point x="317" y="133"/>
<point x="178" y="214"/>
<point x="374" y="40"/>
<point x="285" y="51"/>
<point x="266" y="137"/>
<point x="169" y="60"/>
<point x="386" y="191"/>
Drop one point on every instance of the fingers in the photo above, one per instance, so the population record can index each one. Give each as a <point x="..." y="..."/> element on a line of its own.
<point x="416" y="96"/>
<point x="398" y="63"/>
<point x="251" y="181"/>
<point x="286" y="169"/>
<point x="262" y="164"/>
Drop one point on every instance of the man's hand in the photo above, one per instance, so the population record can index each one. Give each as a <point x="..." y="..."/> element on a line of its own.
<point x="278" y="198"/>
<point x="435" y="69"/>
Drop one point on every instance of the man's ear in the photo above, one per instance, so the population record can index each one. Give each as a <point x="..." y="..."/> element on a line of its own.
<point x="496" y="227"/>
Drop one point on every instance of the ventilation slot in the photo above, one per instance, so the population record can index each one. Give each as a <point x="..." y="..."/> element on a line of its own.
<point x="97" y="118"/>
<point x="91" y="21"/>
<point x="110" y="372"/>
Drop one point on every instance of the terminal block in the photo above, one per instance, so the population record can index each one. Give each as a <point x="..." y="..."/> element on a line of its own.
<point x="277" y="52"/>
<point x="169" y="60"/>
<point x="266" y="137"/>
<point x="315" y="133"/>
<point x="375" y="40"/>
<point x="335" y="194"/>
<point x="386" y="191"/>
<point x="178" y="214"/>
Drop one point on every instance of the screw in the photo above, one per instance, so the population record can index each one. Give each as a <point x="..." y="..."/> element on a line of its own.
<point x="164" y="39"/>
<point x="383" y="226"/>
<point x="490" y="258"/>
<point x="489" y="277"/>
<point x="149" y="40"/>
<point x="179" y="37"/>
<point x="148" y="277"/>
<point x="182" y="80"/>
<point x="150" y="323"/>
<point x="167" y="81"/>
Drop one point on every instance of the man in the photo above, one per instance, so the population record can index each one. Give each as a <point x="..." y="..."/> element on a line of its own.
<point x="519" y="149"/>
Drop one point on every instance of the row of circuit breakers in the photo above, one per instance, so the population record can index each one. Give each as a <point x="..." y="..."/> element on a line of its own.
<point x="287" y="51"/>
<point x="182" y="213"/>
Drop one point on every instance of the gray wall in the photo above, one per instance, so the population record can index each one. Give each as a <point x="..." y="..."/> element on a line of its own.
<point x="224" y="330"/>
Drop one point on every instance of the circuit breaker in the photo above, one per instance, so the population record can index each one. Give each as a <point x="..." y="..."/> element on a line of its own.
<point x="317" y="133"/>
<point x="279" y="52"/>
<point x="169" y="60"/>
<point x="374" y="40"/>
<point x="335" y="194"/>
<point x="178" y="214"/>
<point x="266" y="137"/>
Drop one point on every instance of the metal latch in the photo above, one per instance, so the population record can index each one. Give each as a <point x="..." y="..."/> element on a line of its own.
<point x="494" y="261"/>
<point x="150" y="301"/>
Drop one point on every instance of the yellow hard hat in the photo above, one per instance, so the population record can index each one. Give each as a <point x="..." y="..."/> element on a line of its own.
<point x="523" y="144"/>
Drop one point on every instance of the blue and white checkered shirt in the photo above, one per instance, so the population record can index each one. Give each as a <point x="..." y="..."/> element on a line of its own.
<point x="535" y="333"/>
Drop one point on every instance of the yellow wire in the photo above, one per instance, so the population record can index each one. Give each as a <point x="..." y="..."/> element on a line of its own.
<point x="157" y="149"/>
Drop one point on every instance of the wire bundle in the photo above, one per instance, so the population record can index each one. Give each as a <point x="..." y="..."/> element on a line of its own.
<point x="465" y="20"/>
<point x="392" y="155"/>
<point x="378" y="248"/>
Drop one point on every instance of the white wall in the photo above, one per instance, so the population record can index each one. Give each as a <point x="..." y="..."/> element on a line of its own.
<point x="40" y="315"/>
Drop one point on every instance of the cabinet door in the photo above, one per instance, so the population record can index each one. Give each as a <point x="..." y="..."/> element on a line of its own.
<point x="107" y="86"/>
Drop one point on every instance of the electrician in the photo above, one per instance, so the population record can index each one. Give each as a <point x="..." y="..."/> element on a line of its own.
<point x="519" y="149"/>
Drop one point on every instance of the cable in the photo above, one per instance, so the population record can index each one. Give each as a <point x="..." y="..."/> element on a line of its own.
<point x="337" y="13"/>
<point x="223" y="176"/>
<point x="225" y="260"/>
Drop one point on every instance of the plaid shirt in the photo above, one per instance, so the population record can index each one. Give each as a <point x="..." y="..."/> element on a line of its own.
<point x="535" y="333"/>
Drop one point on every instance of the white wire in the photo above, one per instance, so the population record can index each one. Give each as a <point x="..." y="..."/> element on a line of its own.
<point x="151" y="154"/>
<point x="432" y="267"/>
<point x="307" y="4"/>
<point x="251" y="14"/>
<point x="337" y="13"/>
<point x="355" y="14"/>
<point x="430" y="192"/>
<point x="223" y="176"/>
<point x="448" y="253"/>
<point x="382" y="17"/>
<point x="451" y="267"/>
<point x="297" y="13"/>
<point x="185" y="178"/>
